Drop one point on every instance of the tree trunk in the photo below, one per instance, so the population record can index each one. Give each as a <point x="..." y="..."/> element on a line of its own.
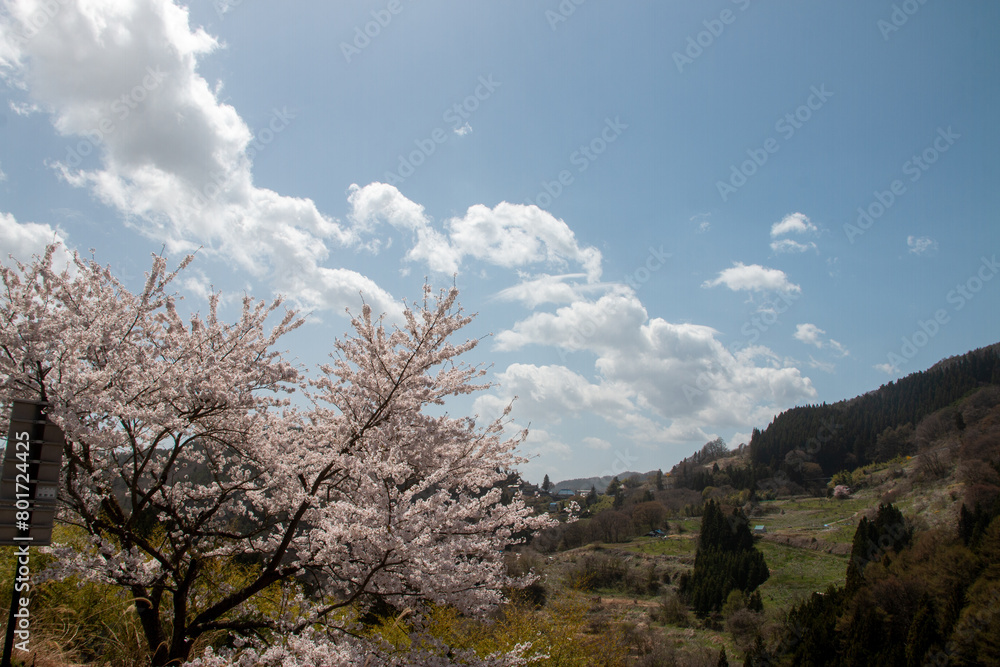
<point x="148" y="609"/>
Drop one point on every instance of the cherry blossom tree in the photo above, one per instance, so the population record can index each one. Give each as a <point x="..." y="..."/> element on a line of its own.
<point x="225" y="509"/>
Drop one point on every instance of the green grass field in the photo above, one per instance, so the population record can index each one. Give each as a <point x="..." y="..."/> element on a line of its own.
<point x="797" y="573"/>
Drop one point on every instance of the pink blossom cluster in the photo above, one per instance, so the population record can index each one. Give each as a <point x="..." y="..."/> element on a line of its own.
<point x="186" y="458"/>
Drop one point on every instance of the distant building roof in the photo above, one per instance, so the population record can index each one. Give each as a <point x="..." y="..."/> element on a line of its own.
<point x="565" y="492"/>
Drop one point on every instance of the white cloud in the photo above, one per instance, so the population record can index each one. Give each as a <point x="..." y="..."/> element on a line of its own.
<point x="601" y="325"/>
<point x="658" y="381"/>
<point x="544" y="288"/>
<point x="507" y="235"/>
<point x="24" y="240"/>
<point x="597" y="443"/>
<point x="809" y="334"/>
<point x="790" y="246"/>
<point x="120" y="78"/>
<point x="922" y="245"/>
<point x="838" y="348"/>
<point x="753" y="278"/>
<point x="552" y="392"/>
<point x="886" y="368"/>
<point x="795" y="223"/>
<point x="513" y="235"/>
<point x="825" y="366"/>
<point x="462" y="131"/>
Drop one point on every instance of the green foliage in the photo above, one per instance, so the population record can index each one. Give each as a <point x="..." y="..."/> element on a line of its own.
<point x="925" y="599"/>
<point x="972" y="525"/>
<point x="726" y="561"/>
<point x="874" y="539"/>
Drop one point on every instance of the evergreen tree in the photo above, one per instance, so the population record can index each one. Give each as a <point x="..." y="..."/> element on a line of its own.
<point x="546" y="484"/>
<point x="726" y="560"/>
<point x="923" y="632"/>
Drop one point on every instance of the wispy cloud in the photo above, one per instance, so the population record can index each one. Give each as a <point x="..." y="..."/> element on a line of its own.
<point x="810" y="334"/>
<point x="794" y="223"/>
<point x="791" y="245"/>
<point x="921" y="245"/>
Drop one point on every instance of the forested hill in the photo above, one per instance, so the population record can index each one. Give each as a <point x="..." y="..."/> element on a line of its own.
<point x="875" y="426"/>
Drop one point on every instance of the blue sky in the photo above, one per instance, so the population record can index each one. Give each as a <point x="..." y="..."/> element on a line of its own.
<point x="675" y="219"/>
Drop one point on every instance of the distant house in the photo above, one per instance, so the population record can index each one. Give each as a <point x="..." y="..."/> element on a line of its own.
<point x="565" y="493"/>
<point x="759" y="530"/>
<point x="583" y="492"/>
<point x="553" y="507"/>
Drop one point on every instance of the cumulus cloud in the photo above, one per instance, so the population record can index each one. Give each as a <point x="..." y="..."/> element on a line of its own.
<point x="508" y="235"/>
<point x="794" y="223"/>
<point x="753" y="278"/>
<point x="809" y="333"/>
<point x="545" y="288"/>
<point x="922" y="245"/>
<point x="120" y="78"/>
<point x="656" y="380"/>
<point x="23" y="240"/>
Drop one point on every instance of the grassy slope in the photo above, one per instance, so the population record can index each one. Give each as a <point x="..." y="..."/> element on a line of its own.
<point x="806" y="546"/>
